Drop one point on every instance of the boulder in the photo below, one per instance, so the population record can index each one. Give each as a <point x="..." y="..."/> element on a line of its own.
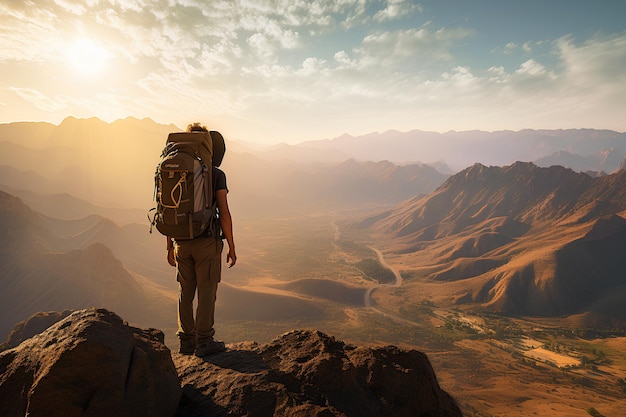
<point x="308" y="373"/>
<point x="36" y="324"/>
<point x="91" y="363"/>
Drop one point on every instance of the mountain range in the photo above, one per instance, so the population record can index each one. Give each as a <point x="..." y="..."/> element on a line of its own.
<point x="110" y="166"/>
<point x="579" y="149"/>
<point x="505" y="238"/>
<point x="400" y="238"/>
<point x="86" y="166"/>
<point x="49" y="264"/>
<point x="518" y="239"/>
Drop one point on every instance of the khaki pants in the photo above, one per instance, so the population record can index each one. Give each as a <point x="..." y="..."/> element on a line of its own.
<point x="199" y="266"/>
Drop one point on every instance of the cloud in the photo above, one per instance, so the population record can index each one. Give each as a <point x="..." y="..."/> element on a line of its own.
<point x="272" y="38"/>
<point x="420" y="46"/>
<point x="509" y="48"/>
<point x="308" y="59"/>
<point x="599" y="60"/>
<point x="396" y="9"/>
<point x="71" y="7"/>
<point x="39" y="100"/>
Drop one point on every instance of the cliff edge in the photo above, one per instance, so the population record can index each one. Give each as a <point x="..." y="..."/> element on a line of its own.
<point x="92" y="363"/>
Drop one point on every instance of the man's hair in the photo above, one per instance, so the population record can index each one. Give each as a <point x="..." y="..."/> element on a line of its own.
<point x="196" y="127"/>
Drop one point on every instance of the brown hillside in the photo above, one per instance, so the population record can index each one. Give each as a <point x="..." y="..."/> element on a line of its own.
<point x="40" y="272"/>
<point x="517" y="239"/>
<point x="51" y="264"/>
<point x="521" y="192"/>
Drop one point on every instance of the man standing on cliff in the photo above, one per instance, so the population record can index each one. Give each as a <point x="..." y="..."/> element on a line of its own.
<point x="198" y="268"/>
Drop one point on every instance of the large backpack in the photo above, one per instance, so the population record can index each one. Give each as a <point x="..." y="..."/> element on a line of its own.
<point x="183" y="185"/>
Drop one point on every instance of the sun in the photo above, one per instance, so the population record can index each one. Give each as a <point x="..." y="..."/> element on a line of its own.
<point x="87" y="57"/>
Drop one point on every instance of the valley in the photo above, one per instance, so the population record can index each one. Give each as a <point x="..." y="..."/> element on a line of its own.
<point x="494" y="365"/>
<point x="313" y="270"/>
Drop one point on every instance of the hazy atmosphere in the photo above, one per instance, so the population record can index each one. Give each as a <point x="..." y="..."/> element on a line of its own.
<point x="418" y="189"/>
<point x="268" y="71"/>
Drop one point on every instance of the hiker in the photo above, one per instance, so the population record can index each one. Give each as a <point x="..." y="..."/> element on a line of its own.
<point x="198" y="267"/>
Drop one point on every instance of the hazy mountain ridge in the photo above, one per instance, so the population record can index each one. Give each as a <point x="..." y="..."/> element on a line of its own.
<point x="62" y="206"/>
<point x="89" y="158"/>
<point x="603" y="150"/>
<point x="112" y="165"/>
<point x="596" y="163"/>
<point x="52" y="264"/>
<point x="352" y="183"/>
<point x="518" y="239"/>
<point x="45" y="271"/>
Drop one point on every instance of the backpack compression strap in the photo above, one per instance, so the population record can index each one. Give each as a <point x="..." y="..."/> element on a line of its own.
<point x="179" y="187"/>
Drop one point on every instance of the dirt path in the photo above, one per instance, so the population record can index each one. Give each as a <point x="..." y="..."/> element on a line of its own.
<point x="367" y="298"/>
<point x="383" y="262"/>
<point x="397" y="284"/>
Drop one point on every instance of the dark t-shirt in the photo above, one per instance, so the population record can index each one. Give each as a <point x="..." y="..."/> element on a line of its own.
<point x="219" y="179"/>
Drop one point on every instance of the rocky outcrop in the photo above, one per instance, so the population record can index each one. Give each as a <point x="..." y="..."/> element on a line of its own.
<point x="91" y="363"/>
<point x="36" y="324"/>
<point x="307" y="373"/>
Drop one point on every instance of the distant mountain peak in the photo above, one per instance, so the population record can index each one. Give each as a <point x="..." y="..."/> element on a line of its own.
<point x="521" y="191"/>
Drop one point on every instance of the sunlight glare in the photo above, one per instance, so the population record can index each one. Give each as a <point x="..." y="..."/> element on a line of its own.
<point x="87" y="57"/>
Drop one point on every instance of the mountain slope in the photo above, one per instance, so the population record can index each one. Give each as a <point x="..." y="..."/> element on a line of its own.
<point x="63" y="206"/>
<point x="521" y="191"/>
<point x="517" y="239"/>
<point x="39" y="271"/>
<point x="50" y="264"/>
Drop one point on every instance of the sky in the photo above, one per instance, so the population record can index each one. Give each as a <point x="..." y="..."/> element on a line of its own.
<point x="270" y="71"/>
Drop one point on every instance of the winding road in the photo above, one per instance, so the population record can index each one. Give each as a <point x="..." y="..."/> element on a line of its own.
<point x="397" y="283"/>
<point x="367" y="299"/>
<point x="396" y="274"/>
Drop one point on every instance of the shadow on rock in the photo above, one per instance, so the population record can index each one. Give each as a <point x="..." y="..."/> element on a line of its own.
<point x="308" y="373"/>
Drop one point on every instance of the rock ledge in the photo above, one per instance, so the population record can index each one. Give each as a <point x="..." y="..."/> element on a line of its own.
<point x="308" y="373"/>
<point x="89" y="364"/>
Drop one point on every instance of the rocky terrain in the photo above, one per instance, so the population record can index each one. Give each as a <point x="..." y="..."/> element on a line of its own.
<point x="91" y="363"/>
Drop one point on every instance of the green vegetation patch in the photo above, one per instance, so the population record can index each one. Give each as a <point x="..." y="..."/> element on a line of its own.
<point x="372" y="269"/>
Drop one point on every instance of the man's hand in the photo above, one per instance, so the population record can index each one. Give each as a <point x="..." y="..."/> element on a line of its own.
<point x="171" y="256"/>
<point x="231" y="258"/>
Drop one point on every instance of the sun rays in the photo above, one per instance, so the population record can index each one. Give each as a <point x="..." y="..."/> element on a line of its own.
<point x="87" y="57"/>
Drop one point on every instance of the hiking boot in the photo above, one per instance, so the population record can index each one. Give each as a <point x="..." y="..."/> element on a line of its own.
<point x="209" y="348"/>
<point x="187" y="346"/>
